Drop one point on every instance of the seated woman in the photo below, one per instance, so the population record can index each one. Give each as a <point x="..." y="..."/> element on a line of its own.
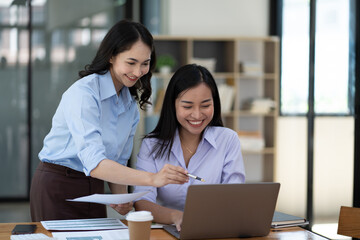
<point x="190" y="134"/>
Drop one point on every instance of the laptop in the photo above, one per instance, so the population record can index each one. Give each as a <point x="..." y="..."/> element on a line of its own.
<point x="227" y="211"/>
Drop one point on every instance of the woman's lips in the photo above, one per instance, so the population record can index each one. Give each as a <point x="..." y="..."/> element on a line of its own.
<point x="195" y="123"/>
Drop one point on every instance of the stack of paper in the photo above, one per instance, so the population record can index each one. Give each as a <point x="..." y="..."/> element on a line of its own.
<point x="83" y="224"/>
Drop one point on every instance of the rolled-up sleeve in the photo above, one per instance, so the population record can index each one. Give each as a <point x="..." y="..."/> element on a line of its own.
<point x="82" y="116"/>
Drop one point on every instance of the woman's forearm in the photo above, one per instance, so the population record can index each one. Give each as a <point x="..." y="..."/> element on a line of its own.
<point x="114" y="172"/>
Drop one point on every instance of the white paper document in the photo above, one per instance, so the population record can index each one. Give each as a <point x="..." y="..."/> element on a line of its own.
<point x="93" y="235"/>
<point x="110" y="198"/>
<point x="31" y="236"/>
<point x="83" y="224"/>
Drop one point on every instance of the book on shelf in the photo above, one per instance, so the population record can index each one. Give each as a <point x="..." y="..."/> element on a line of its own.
<point x="227" y="97"/>
<point x="281" y="220"/>
<point x="251" y="140"/>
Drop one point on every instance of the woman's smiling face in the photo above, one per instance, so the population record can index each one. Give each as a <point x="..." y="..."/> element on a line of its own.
<point x="194" y="109"/>
<point x="129" y="66"/>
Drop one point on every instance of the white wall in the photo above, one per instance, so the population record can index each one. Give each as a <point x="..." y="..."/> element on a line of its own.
<point x="218" y="17"/>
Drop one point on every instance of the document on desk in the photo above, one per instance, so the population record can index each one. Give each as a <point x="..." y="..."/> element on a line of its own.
<point x="93" y="235"/>
<point x="83" y="224"/>
<point x="109" y="198"/>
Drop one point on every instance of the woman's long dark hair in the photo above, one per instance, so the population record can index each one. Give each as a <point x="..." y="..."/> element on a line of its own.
<point x="185" y="77"/>
<point x="120" y="38"/>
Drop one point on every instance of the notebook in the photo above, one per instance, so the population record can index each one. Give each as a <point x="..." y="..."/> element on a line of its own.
<point x="227" y="211"/>
<point x="281" y="220"/>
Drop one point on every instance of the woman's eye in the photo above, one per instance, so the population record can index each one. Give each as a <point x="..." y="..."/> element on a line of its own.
<point x="131" y="63"/>
<point x="206" y="106"/>
<point x="187" y="107"/>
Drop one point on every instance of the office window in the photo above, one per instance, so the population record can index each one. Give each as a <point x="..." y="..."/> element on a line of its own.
<point x="60" y="47"/>
<point x="331" y="57"/>
<point x="333" y="97"/>
<point x="13" y="103"/>
<point x="295" y="57"/>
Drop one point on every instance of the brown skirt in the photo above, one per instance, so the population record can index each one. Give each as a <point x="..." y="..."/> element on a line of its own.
<point x="52" y="184"/>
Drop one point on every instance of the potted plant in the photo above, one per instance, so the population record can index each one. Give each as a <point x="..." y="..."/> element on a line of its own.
<point x="165" y="63"/>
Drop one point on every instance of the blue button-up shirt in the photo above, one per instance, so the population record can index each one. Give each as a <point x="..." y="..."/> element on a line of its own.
<point x="92" y="123"/>
<point x="218" y="159"/>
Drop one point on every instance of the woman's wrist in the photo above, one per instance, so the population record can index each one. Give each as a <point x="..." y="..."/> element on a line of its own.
<point x="151" y="179"/>
<point x="175" y="216"/>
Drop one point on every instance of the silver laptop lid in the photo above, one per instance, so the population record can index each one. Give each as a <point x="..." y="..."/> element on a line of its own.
<point x="229" y="210"/>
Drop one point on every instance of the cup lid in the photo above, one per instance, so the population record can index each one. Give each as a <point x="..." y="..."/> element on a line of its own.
<point x="139" y="216"/>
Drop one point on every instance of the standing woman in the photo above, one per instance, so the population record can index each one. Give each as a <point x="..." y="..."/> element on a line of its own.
<point x="92" y="132"/>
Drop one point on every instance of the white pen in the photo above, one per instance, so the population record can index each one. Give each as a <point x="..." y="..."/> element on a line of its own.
<point x="196" y="177"/>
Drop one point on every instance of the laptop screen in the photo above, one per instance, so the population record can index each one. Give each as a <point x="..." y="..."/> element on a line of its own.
<point x="229" y="210"/>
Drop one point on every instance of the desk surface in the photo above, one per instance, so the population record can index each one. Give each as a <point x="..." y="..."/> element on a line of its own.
<point x="159" y="234"/>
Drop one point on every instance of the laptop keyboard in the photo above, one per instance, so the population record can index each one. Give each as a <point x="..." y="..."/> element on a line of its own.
<point x="172" y="230"/>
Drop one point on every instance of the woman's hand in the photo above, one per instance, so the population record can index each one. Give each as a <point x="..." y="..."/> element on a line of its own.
<point x="170" y="174"/>
<point x="176" y="218"/>
<point x="124" y="208"/>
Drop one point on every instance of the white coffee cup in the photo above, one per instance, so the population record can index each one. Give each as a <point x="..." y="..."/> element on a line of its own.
<point x="139" y="224"/>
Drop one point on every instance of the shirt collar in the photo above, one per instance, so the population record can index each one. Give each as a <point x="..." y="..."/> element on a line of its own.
<point x="107" y="90"/>
<point x="208" y="136"/>
<point x="126" y="97"/>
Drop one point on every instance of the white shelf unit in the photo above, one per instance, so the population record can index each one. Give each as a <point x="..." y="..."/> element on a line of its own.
<point x="250" y="65"/>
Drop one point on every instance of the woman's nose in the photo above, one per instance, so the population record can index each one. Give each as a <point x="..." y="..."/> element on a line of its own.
<point x="196" y="113"/>
<point x="137" y="72"/>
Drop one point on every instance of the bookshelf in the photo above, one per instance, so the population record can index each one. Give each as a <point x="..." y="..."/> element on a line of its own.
<point x="247" y="70"/>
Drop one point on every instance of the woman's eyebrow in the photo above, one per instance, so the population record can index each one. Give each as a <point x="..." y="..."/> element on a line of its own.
<point x="204" y="101"/>
<point x="135" y="60"/>
<point x="184" y="101"/>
